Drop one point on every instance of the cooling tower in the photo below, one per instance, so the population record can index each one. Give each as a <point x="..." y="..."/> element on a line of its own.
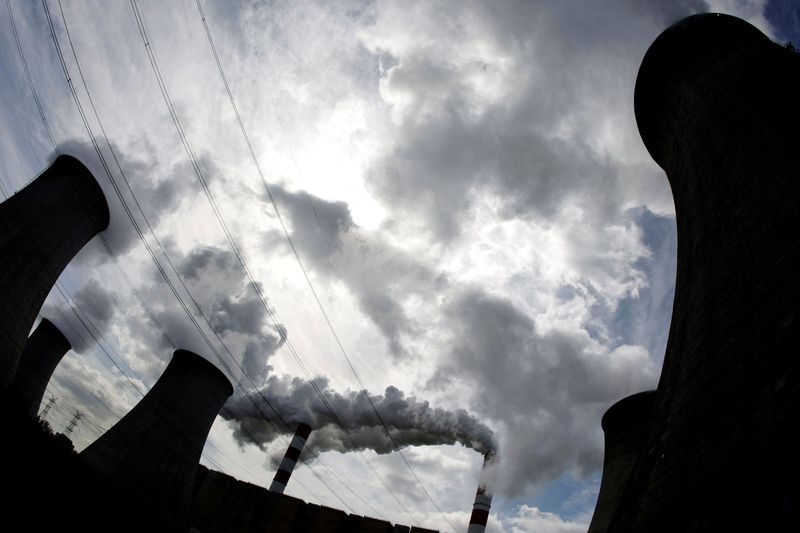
<point x="717" y="106"/>
<point x="290" y="459"/>
<point x="152" y="454"/>
<point x="43" y="351"/>
<point x="483" y="496"/>
<point x="625" y="425"/>
<point x="42" y="227"/>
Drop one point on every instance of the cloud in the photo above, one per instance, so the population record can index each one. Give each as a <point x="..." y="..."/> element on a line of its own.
<point x="527" y="518"/>
<point x="410" y="421"/>
<point x="513" y="101"/>
<point x="379" y="275"/>
<point x="548" y="388"/>
<point x="221" y="290"/>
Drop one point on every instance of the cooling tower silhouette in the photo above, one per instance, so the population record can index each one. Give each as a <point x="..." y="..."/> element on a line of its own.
<point x="42" y="227"/>
<point x="152" y="454"/>
<point x="43" y="351"/>
<point x="717" y="106"/>
<point x="625" y="425"/>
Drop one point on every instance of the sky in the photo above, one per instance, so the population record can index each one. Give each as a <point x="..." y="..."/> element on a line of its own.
<point x="439" y="211"/>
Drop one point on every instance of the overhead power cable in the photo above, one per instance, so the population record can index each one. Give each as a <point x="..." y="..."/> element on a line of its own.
<point x="229" y="236"/>
<point x="296" y="254"/>
<point x="141" y="236"/>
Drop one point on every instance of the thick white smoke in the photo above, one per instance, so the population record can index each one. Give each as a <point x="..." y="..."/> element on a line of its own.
<point x="410" y="421"/>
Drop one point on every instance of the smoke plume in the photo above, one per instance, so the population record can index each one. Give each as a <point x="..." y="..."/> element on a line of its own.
<point x="410" y="421"/>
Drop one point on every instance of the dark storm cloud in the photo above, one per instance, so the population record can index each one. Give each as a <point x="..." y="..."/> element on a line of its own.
<point x="411" y="421"/>
<point x="549" y="388"/>
<point x="85" y="318"/>
<point x="95" y="301"/>
<point x="230" y="302"/>
<point x="379" y="275"/>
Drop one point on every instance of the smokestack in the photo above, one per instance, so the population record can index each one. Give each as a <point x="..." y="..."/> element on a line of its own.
<point x="42" y="227"/>
<point x="716" y="104"/>
<point x="625" y="425"/>
<point x="286" y="467"/>
<point x="43" y="351"/>
<point x="483" y="497"/>
<point x="151" y="455"/>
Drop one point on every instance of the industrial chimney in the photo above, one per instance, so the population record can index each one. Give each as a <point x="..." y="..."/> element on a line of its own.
<point x="717" y="107"/>
<point x="151" y="455"/>
<point x="42" y="227"/>
<point x="43" y="351"/>
<point x="483" y="497"/>
<point x="625" y="425"/>
<point x="293" y="452"/>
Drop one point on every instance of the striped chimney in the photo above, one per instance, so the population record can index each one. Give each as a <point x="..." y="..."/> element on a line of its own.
<point x="483" y="498"/>
<point x="284" y="472"/>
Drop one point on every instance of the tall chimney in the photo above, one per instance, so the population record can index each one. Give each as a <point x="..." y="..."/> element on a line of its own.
<point x="43" y="351"/>
<point x="483" y="497"/>
<point x="42" y="227"/>
<point x="293" y="452"/>
<point x="717" y="106"/>
<point x="151" y="455"/>
<point x="625" y="425"/>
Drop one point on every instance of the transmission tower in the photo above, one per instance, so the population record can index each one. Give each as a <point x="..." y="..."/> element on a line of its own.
<point x="73" y="423"/>
<point x="47" y="407"/>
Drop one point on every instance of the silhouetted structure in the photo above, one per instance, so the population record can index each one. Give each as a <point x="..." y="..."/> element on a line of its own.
<point x="717" y="107"/>
<point x="42" y="227"/>
<point x="43" y="351"/>
<point x="483" y="496"/>
<point x="223" y="504"/>
<point x="152" y="454"/>
<point x="625" y="425"/>
<point x="290" y="459"/>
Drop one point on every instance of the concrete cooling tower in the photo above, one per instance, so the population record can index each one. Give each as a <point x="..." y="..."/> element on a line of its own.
<point x="625" y="425"/>
<point x="152" y="454"/>
<point x="717" y="106"/>
<point x="43" y="351"/>
<point x="42" y="227"/>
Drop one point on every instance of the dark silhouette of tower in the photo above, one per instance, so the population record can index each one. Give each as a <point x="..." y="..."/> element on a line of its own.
<point x="625" y="425"/>
<point x="152" y="454"/>
<point x="42" y="227"/>
<point x="717" y="106"/>
<point x="43" y="351"/>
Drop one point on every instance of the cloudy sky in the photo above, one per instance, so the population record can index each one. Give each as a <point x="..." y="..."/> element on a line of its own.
<point x="439" y="211"/>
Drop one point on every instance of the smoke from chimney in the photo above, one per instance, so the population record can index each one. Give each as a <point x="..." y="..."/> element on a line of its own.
<point x="411" y="422"/>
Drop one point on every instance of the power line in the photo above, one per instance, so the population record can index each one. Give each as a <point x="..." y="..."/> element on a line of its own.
<point x="198" y="171"/>
<point x="138" y="230"/>
<point x="299" y="260"/>
<point x="231" y="239"/>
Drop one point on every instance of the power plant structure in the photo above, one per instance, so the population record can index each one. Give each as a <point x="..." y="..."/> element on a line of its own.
<point x="483" y="496"/>
<point x="293" y="452"/>
<point x="142" y="473"/>
<point x="717" y="106"/>
<point x="43" y="351"/>
<point x="714" y="448"/>
<point x="625" y="425"/>
<point x="152" y="453"/>
<point x="42" y="227"/>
